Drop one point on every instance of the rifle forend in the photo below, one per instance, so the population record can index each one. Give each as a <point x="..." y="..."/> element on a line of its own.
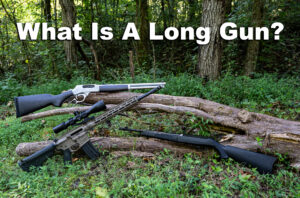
<point x="28" y="104"/>
<point x="263" y="163"/>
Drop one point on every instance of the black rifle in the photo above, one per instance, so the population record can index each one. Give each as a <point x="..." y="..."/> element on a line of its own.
<point x="78" y="138"/>
<point x="28" y="104"/>
<point x="263" y="163"/>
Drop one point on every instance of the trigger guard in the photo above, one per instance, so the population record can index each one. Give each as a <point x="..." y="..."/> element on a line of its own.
<point x="79" y="101"/>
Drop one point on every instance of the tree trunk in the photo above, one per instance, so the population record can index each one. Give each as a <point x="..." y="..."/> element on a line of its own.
<point x="239" y="127"/>
<point x="253" y="46"/>
<point x="213" y="14"/>
<point x="131" y="64"/>
<point x="142" y="21"/>
<point x="228" y="7"/>
<point x="50" y="44"/>
<point x="163" y="13"/>
<point x="55" y="14"/>
<point x="47" y="10"/>
<point x="69" y="20"/>
<point x="96" y="59"/>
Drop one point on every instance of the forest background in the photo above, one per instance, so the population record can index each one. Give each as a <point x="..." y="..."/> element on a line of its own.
<point x="30" y="62"/>
<point x="260" y="76"/>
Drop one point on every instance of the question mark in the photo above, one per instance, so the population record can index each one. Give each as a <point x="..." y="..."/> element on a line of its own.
<point x="279" y="27"/>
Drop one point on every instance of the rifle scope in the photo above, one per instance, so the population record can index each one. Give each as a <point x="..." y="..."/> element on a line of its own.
<point x="99" y="106"/>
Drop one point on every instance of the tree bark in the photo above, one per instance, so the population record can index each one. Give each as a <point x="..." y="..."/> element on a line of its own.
<point x="253" y="46"/>
<point x="69" y="20"/>
<point x="213" y="14"/>
<point x="131" y="64"/>
<point x="148" y="145"/>
<point x="142" y="21"/>
<point x="47" y="10"/>
<point x="55" y="14"/>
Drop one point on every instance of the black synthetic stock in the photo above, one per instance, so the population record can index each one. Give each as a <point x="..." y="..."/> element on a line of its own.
<point x="263" y="163"/>
<point x="28" y="104"/>
<point x="38" y="158"/>
<point x="90" y="150"/>
<point x="185" y="139"/>
<point x="99" y="106"/>
<point x="112" y="88"/>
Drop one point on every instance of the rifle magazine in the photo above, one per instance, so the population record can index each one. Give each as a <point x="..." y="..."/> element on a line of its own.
<point x="90" y="150"/>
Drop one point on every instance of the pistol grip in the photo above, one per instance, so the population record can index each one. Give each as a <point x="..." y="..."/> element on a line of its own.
<point x="67" y="157"/>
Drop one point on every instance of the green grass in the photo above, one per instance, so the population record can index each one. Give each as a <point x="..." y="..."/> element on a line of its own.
<point x="166" y="175"/>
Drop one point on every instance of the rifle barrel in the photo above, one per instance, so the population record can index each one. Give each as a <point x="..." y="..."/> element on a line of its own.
<point x="125" y="87"/>
<point x="146" y="85"/>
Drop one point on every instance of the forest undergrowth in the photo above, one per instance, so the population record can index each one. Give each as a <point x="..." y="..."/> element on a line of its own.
<point x="165" y="175"/>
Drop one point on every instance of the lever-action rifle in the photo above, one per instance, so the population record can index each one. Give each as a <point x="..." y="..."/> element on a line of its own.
<point x="263" y="163"/>
<point x="28" y="104"/>
<point x="78" y="138"/>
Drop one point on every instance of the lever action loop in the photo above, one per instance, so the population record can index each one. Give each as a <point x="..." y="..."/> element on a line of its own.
<point x="77" y="100"/>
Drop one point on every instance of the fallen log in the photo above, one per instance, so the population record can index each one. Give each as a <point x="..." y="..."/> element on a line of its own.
<point x="112" y="144"/>
<point x="275" y="135"/>
<point x="71" y="110"/>
<point x="53" y="112"/>
<point x="242" y="128"/>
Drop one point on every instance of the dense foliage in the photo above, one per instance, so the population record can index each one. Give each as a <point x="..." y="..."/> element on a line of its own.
<point x="30" y="61"/>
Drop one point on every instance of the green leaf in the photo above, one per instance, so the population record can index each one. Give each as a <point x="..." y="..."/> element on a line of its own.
<point x="101" y="192"/>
